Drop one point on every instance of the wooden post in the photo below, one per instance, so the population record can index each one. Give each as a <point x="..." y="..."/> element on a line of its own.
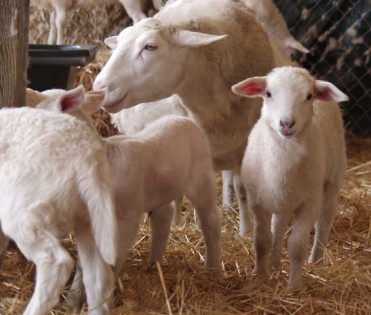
<point x="14" y="19"/>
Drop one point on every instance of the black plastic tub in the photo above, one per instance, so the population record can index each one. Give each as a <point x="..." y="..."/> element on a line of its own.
<point x="54" y="66"/>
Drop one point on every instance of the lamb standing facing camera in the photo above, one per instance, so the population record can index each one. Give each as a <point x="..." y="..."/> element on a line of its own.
<point x="293" y="166"/>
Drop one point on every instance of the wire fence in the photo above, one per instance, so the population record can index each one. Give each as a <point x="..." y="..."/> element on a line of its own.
<point x="338" y="35"/>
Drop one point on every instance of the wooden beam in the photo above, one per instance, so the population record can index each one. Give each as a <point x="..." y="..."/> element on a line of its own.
<point x="14" y="22"/>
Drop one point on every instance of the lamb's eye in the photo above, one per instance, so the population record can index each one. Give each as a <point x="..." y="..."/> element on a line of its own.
<point x="150" y="47"/>
<point x="309" y="96"/>
<point x="269" y="94"/>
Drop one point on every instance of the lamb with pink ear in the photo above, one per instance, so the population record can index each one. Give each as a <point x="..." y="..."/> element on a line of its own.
<point x="293" y="166"/>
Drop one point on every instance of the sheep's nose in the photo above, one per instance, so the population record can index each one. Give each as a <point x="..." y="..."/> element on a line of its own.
<point x="287" y="124"/>
<point x="286" y="127"/>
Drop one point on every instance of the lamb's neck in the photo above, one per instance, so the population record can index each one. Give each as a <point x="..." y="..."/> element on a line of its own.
<point x="293" y="149"/>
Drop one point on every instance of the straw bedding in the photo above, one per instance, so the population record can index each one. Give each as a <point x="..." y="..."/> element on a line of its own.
<point x="340" y="283"/>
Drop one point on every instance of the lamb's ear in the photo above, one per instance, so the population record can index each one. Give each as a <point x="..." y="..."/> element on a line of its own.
<point x="72" y="99"/>
<point x="294" y="44"/>
<point x="326" y="91"/>
<point x="251" y="87"/>
<point x="195" y="39"/>
<point x="93" y="101"/>
<point x="111" y="42"/>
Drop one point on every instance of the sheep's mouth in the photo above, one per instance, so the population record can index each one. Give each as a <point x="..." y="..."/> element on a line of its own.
<point x="287" y="133"/>
<point x="114" y="106"/>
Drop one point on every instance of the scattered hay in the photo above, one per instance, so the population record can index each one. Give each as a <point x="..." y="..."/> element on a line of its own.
<point x="338" y="284"/>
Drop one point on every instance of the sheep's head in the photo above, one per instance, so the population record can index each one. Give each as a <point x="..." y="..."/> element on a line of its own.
<point x="147" y="63"/>
<point x="289" y="93"/>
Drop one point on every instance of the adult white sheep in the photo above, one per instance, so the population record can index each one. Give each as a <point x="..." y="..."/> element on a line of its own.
<point x="55" y="179"/>
<point x="164" y="161"/>
<point x="59" y="8"/>
<point x="267" y="15"/>
<point x="180" y="54"/>
<point x="294" y="165"/>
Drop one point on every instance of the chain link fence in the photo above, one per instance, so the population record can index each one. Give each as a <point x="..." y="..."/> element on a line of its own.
<point x="338" y="35"/>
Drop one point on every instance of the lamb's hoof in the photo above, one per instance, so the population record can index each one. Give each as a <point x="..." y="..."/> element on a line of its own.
<point x="259" y="272"/>
<point x="75" y="300"/>
<point x="246" y="233"/>
<point x="275" y="262"/>
<point x="258" y="278"/>
<point x="227" y="207"/>
<point x="295" y="287"/>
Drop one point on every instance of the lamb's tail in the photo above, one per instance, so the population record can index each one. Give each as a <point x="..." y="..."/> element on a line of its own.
<point x="101" y="207"/>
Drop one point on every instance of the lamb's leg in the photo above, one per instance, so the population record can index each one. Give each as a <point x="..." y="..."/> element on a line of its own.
<point x="246" y="224"/>
<point x="228" y="189"/>
<point x="203" y="197"/>
<point x="53" y="30"/>
<point x="4" y="241"/>
<point x="76" y="296"/>
<point x="128" y="222"/>
<point x="177" y="208"/>
<point x="278" y="227"/>
<point x="160" y="221"/>
<point x="262" y="239"/>
<point x="298" y="243"/>
<point x="53" y="268"/>
<point x="97" y="275"/>
<point x="157" y="4"/>
<point x="60" y="22"/>
<point x="323" y="227"/>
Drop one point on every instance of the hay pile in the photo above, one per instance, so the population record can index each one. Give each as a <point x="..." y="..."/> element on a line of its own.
<point x="338" y="284"/>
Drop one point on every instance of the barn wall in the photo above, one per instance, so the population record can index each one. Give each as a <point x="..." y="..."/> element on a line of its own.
<point x="338" y="34"/>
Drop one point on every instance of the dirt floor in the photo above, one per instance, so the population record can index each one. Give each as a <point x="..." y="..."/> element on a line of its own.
<point x="340" y="283"/>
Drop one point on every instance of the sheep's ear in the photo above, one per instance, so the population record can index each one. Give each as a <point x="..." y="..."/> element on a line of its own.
<point x="94" y="100"/>
<point x="72" y="99"/>
<point x="295" y="45"/>
<point x="251" y="87"/>
<point x="195" y="39"/>
<point x="326" y="91"/>
<point x="111" y="42"/>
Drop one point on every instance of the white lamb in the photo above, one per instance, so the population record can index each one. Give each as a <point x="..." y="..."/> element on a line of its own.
<point x="55" y="179"/>
<point x="59" y="9"/>
<point x="166" y="160"/>
<point x="180" y="54"/>
<point x="293" y="165"/>
<point x="131" y="120"/>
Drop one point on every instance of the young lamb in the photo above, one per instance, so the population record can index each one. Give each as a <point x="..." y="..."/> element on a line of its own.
<point x="59" y="9"/>
<point x="293" y="165"/>
<point x="55" y="179"/>
<point x="177" y="52"/>
<point x="275" y="25"/>
<point x="164" y="161"/>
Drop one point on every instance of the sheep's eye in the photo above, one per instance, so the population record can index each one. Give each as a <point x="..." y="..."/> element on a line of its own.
<point x="309" y="96"/>
<point x="269" y="94"/>
<point x="150" y="47"/>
